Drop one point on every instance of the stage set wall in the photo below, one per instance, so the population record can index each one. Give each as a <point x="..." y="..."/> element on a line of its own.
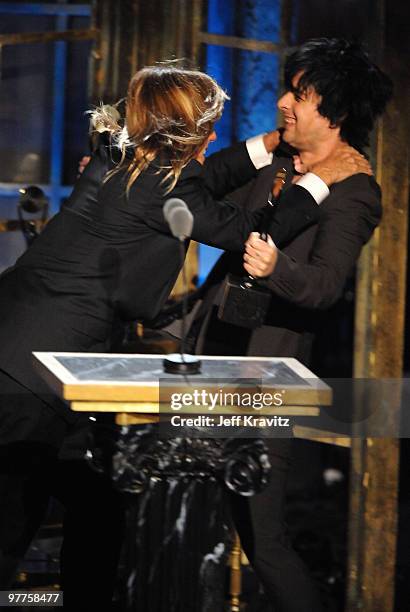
<point x="47" y="87"/>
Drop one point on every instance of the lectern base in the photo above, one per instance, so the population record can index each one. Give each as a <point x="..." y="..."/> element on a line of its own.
<point x="178" y="538"/>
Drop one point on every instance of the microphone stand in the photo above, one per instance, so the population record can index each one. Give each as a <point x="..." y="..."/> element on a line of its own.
<point x="182" y="363"/>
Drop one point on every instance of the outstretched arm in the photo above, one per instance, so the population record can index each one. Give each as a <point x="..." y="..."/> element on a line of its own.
<point x="223" y="224"/>
<point x="233" y="167"/>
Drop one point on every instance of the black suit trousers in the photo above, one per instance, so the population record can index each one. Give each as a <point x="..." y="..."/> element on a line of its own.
<point x="260" y="522"/>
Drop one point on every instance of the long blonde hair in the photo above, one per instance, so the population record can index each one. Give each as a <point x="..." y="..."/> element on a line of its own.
<point x="170" y="113"/>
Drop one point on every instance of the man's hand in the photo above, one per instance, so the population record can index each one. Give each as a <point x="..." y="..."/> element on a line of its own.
<point x="260" y="257"/>
<point x="343" y="162"/>
<point x="271" y="140"/>
<point x="82" y="163"/>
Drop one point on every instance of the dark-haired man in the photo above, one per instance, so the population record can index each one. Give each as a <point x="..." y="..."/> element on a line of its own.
<point x="333" y="95"/>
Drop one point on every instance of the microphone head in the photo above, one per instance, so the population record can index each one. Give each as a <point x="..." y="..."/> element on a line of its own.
<point x="179" y="218"/>
<point x="171" y="204"/>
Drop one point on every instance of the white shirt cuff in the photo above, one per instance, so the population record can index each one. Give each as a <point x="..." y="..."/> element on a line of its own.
<point x="257" y="152"/>
<point x="315" y="186"/>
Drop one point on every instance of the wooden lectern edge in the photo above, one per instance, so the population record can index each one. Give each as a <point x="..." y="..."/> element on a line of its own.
<point x="150" y="393"/>
<point x="148" y="408"/>
<point x="318" y="435"/>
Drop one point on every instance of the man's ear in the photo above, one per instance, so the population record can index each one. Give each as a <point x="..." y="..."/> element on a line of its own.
<point x="337" y="124"/>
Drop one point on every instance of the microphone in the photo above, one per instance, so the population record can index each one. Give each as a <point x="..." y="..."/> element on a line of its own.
<point x="180" y="221"/>
<point x="179" y="218"/>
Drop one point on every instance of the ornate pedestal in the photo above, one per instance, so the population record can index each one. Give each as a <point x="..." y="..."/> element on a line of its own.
<point x="178" y="529"/>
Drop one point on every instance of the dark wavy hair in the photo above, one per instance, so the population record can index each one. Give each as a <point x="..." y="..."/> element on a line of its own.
<point x="353" y="89"/>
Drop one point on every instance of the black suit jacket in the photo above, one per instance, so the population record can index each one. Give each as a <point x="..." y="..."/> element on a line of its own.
<point x="309" y="277"/>
<point x="107" y="257"/>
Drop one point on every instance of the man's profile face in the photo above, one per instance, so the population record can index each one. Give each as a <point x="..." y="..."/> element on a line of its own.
<point x="304" y="127"/>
